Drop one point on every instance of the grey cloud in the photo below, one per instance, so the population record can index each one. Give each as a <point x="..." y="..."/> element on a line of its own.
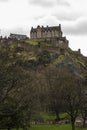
<point x="67" y="16"/>
<point x="63" y="2"/>
<point x="45" y="3"/>
<point x="4" y="0"/>
<point x="63" y="17"/>
<point x="78" y="28"/>
<point x="49" y="3"/>
<point x="39" y="17"/>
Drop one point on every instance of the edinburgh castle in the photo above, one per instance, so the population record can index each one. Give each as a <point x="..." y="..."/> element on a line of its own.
<point x="49" y="34"/>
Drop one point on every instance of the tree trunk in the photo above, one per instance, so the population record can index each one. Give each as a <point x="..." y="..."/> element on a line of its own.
<point x="84" y="122"/>
<point x="57" y="115"/>
<point x="73" y="124"/>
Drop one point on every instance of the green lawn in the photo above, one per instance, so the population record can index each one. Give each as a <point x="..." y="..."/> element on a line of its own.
<point x="53" y="127"/>
<point x="48" y="116"/>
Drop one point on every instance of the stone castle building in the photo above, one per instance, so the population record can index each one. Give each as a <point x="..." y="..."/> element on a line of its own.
<point x="52" y="35"/>
<point x="18" y="36"/>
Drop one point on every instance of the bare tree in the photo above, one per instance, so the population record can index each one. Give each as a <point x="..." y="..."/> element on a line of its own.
<point x="72" y="94"/>
<point x="83" y="105"/>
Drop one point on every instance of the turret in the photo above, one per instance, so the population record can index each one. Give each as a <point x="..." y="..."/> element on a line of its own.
<point x="60" y="26"/>
<point x="79" y="50"/>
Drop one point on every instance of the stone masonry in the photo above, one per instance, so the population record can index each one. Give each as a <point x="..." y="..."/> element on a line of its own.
<point x="49" y="34"/>
<point x="45" y="32"/>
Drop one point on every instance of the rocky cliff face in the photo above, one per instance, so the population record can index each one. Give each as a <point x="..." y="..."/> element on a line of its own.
<point x="35" y="57"/>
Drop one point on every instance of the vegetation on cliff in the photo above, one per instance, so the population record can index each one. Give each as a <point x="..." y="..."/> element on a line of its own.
<point x="36" y="80"/>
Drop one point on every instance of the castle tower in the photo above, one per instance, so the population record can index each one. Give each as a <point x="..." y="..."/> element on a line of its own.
<point x="38" y="30"/>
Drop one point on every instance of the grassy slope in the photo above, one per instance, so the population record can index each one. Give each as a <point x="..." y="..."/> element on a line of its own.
<point x="54" y="127"/>
<point x="32" y="42"/>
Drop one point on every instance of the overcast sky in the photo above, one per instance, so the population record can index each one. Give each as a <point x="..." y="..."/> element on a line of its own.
<point x="18" y="16"/>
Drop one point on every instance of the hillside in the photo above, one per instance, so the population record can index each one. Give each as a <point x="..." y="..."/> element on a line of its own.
<point x="34" y="76"/>
<point x="30" y="54"/>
